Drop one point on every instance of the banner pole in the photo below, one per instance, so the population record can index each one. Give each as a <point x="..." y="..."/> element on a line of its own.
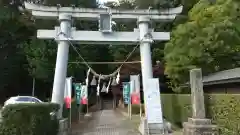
<point x="130" y="110"/>
<point x="87" y="108"/>
<point x="130" y="106"/>
<point x="140" y="103"/>
<point x="140" y="113"/>
<point x="78" y="112"/>
<point x="70" y="115"/>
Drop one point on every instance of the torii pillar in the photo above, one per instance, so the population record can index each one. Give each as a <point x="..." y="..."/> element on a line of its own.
<point x="145" y="50"/>
<point x="61" y="63"/>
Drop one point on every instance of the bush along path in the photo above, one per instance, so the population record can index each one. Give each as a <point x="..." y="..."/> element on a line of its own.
<point x="29" y="119"/>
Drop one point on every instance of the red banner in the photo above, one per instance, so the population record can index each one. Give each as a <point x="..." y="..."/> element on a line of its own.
<point x="84" y="101"/>
<point x="135" y="98"/>
<point x="68" y="102"/>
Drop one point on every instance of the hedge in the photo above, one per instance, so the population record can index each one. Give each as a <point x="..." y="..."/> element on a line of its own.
<point x="29" y="119"/>
<point x="223" y="109"/>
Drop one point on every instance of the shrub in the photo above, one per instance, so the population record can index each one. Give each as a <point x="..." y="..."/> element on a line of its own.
<point x="176" y="107"/>
<point x="29" y="119"/>
<point x="223" y="109"/>
<point x="225" y="112"/>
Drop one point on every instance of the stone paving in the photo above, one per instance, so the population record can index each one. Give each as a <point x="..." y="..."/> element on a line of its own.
<point x="106" y="122"/>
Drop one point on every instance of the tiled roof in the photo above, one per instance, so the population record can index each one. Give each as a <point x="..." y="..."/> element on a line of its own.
<point x="223" y="75"/>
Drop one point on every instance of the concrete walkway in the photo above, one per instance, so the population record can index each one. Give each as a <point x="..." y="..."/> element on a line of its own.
<point x="106" y="122"/>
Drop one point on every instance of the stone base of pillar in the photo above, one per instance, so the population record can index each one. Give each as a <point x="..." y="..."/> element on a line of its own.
<point x="199" y="127"/>
<point x="63" y="127"/>
<point x="153" y="129"/>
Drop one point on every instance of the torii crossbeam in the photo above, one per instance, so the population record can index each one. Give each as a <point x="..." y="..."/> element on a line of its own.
<point x="47" y="12"/>
<point x="66" y="33"/>
<point x="114" y="38"/>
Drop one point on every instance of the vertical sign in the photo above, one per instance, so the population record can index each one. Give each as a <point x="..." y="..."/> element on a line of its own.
<point x="77" y="87"/>
<point x="84" y="95"/>
<point x="153" y="102"/>
<point x="126" y="92"/>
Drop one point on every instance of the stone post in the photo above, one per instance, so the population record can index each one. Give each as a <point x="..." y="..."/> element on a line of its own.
<point x="197" y="94"/>
<point x="198" y="124"/>
<point x="63" y="127"/>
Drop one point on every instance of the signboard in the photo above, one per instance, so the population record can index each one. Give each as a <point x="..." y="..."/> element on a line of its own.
<point x="126" y="92"/>
<point x="77" y="88"/>
<point x="84" y="95"/>
<point x="153" y="102"/>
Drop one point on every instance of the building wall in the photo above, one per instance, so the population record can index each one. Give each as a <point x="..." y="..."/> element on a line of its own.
<point x="231" y="88"/>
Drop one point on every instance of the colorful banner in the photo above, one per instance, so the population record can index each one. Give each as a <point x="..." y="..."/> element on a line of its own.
<point x="135" y="98"/>
<point x="136" y="79"/>
<point x="126" y="92"/>
<point x="135" y="89"/>
<point x="77" y="87"/>
<point x="84" y="95"/>
<point x="68" y="92"/>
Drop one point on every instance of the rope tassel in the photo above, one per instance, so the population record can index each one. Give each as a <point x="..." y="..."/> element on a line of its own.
<point x="114" y="83"/>
<point x="104" y="87"/>
<point x="88" y="72"/>
<point x="98" y="87"/>
<point x="108" y="85"/>
<point x="118" y="77"/>
<point x="93" y="82"/>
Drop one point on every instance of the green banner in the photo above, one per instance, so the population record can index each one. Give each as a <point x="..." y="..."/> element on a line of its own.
<point x="126" y="92"/>
<point x="77" y="88"/>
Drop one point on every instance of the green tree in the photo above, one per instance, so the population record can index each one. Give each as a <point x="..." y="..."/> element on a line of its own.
<point x="13" y="34"/>
<point x="41" y="54"/>
<point x="209" y="40"/>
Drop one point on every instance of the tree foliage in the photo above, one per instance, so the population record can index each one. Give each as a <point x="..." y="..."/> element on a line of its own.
<point x="21" y="52"/>
<point x="208" y="40"/>
<point x="24" y="57"/>
<point x="13" y="34"/>
<point x="41" y="54"/>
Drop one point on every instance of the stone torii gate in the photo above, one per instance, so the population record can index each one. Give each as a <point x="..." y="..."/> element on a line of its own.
<point x="66" y="33"/>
